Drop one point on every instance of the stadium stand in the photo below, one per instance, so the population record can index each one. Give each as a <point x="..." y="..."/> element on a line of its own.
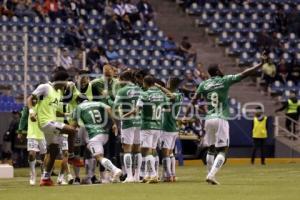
<point x="46" y="36"/>
<point x="247" y="28"/>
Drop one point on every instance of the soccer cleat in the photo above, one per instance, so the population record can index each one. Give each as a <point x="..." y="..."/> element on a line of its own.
<point x="146" y="179"/>
<point x="86" y="181"/>
<point x="76" y="162"/>
<point x="153" y="180"/>
<point x="46" y="182"/>
<point x="60" y="179"/>
<point x="70" y="179"/>
<point x="167" y="179"/>
<point x="116" y="176"/>
<point x="95" y="180"/>
<point x="129" y="180"/>
<point x="76" y="181"/>
<point x="173" y="178"/>
<point x="32" y="180"/>
<point x="212" y="180"/>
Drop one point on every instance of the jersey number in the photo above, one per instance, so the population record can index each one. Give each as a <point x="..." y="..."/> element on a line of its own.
<point x="214" y="99"/>
<point x="156" y="112"/>
<point x="96" y="116"/>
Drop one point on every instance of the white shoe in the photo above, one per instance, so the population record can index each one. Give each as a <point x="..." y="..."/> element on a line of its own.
<point x="70" y="179"/>
<point x="129" y="180"/>
<point x="212" y="180"/>
<point x="116" y="176"/>
<point x="60" y="179"/>
<point x="32" y="180"/>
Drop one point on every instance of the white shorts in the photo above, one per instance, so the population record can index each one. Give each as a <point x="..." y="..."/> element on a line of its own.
<point x="63" y="142"/>
<point x="217" y="132"/>
<point x="51" y="131"/>
<point x="95" y="145"/>
<point x="37" y="145"/>
<point x="168" y="140"/>
<point x="149" y="138"/>
<point x="130" y="136"/>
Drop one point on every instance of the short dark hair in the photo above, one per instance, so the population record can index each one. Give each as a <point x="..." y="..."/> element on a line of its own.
<point x="213" y="70"/>
<point x="126" y="75"/>
<point x="60" y="76"/>
<point x="174" y="82"/>
<point x="149" y="80"/>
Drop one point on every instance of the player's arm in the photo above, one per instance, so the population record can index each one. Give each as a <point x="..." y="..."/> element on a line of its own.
<point x="283" y="107"/>
<point x="251" y="70"/>
<point x="111" y="116"/>
<point x="166" y="91"/>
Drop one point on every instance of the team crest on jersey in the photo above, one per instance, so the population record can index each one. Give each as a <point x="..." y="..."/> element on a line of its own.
<point x="133" y="93"/>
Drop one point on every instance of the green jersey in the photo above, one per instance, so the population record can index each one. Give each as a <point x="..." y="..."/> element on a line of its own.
<point x="215" y="92"/>
<point x="171" y="112"/>
<point x="48" y="100"/>
<point x="151" y="103"/>
<point x="103" y="85"/>
<point x="93" y="116"/>
<point x="126" y="100"/>
<point x="23" y="124"/>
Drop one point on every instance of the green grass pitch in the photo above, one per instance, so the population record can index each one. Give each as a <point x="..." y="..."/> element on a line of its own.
<point x="240" y="182"/>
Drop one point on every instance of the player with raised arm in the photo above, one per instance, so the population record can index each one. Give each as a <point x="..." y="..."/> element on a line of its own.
<point x="125" y="101"/>
<point x="170" y="128"/>
<point x="48" y="96"/>
<point x="150" y="103"/>
<point x="215" y="92"/>
<point x="94" y="116"/>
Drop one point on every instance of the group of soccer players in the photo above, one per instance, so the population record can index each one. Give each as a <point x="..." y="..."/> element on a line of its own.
<point x="64" y="114"/>
<point x="61" y="115"/>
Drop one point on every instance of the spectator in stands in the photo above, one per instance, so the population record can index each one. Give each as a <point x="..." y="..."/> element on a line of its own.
<point x="51" y="8"/>
<point x="259" y="134"/>
<point x="269" y="72"/>
<point x="186" y="50"/>
<point x="70" y="38"/>
<point x="108" y="10"/>
<point x="65" y="59"/>
<point x="132" y="11"/>
<point x="112" y="29"/>
<point x="200" y="74"/>
<point x="96" y="58"/>
<point x="111" y="54"/>
<point x="189" y="84"/>
<point x="283" y="73"/>
<point x="82" y="34"/>
<point x="127" y="30"/>
<point x="119" y="8"/>
<point x="38" y="9"/>
<point x="281" y="21"/>
<point x="145" y="10"/>
<point x="292" y="112"/>
<point x="171" y="49"/>
<point x="264" y="40"/>
<point x="23" y="8"/>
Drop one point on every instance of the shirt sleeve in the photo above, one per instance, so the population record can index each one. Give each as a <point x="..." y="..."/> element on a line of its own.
<point x="231" y="79"/>
<point x="41" y="90"/>
<point x="199" y="89"/>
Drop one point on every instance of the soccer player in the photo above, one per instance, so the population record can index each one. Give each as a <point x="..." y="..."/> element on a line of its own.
<point x="150" y="103"/>
<point x="48" y="96"/>
<point x="35" y="141"/>
<point x="126" y="100"/>
<point x="94" y="116"/>
<point x="215" y="92"/>
<point x="169" y="127"/>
